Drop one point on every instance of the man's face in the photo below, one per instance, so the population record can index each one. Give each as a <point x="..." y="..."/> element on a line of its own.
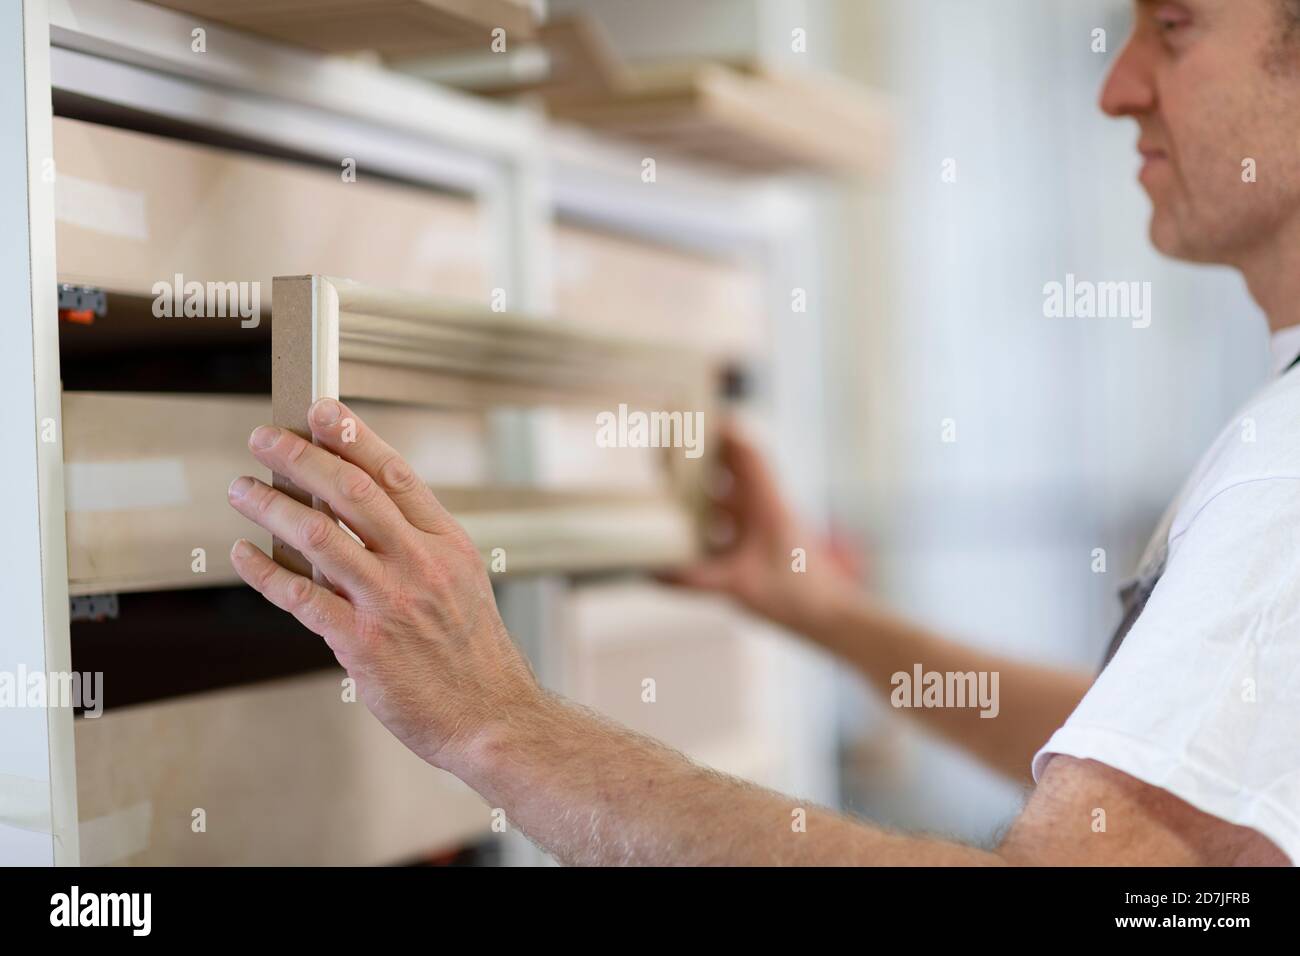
<point x="1212" y="84"/>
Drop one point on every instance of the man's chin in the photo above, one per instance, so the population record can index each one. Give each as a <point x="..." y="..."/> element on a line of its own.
<point x="1172" y="242"/>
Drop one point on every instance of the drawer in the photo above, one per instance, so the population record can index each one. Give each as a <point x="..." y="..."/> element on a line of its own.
<point x="697" y="652"/>
<point x="329" y="785"/>
<point x="333" y="337"/>
<point x="618" y="284"/>
<point x="133" y="210"/>
<point x="146" y="475"/>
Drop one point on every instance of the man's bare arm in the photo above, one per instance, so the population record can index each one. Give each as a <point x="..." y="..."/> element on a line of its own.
<point x="592" y="793"/>
<point x="1033" y="700"/>
<point x="411" y="616"/>
<point x="824" y="602"/>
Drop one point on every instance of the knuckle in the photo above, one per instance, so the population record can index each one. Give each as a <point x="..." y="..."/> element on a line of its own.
<point x="315" y="530"/>
<point x="263" y="497"/>
<point x="356" y="486"/>
<point x="297" y="447"/>
<point x="265" y="577"/>
<point x="297" y="594"/>
<point x="397" y="476"/>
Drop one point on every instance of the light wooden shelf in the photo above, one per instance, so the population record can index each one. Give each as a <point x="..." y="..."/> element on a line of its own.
<point x="744" y="116"/>
<point x="754" y="120"/>
<point x="392" y="27"/>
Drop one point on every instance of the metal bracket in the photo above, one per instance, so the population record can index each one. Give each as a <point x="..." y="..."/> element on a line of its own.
<point x="83" y="299"/>
<point x="93" y="607"/>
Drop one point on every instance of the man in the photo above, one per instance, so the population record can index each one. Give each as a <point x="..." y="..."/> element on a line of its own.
<point x="1187" y="745"/>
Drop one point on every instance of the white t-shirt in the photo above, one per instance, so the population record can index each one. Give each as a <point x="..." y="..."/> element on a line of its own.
<point x="1203" y="697"/>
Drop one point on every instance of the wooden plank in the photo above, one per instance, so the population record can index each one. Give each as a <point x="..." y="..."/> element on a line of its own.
<point x="614" y="284"/>
<point x="410" y="350"/>
<point x="391" y="27"/>
<point x="134" y="209"/>
<point x="147" y="477"/>
<point x="758" y="120"/>
<point x="304" y="368"/>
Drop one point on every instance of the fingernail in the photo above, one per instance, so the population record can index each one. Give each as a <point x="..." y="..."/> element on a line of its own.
<point x="239" y="487"/>
<point x="326" y="412"/>
<point x="264" y="436"/>
<point x="243" y="548"/>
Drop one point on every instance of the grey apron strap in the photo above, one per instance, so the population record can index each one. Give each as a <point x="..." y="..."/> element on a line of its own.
<point x="1134" y="595"/>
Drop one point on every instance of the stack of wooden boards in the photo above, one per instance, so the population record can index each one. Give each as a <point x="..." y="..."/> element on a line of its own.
<point x="146" y="474"/>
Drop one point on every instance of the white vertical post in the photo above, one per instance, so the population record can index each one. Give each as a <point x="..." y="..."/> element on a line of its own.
<point x="520" y="212"/>
<point x="38" y="793"/>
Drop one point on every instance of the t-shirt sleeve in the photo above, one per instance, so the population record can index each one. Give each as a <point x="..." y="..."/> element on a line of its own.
<point x="1203" y="697"/>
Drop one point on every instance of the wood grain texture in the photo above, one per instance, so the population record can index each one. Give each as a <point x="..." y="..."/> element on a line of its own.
<point x="134" y="209"/>
<point x="392" y="27"/>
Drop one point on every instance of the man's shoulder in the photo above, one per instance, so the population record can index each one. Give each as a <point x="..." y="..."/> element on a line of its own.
<point x="1257" y="451"/>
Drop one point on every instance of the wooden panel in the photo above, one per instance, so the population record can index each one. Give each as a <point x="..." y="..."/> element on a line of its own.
<point x="330" y="786"/>
<point x="755" y="120"/>
<point x="135" y="209"/>
<point x="147" y="475"/>
<point x="394" y="27"/>
<point x="615" y="284"/>
<point x="696" y="651"/>
<point x="463" y="357"/>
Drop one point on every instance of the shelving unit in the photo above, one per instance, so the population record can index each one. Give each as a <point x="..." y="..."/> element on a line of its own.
<point x="123" y="68"/>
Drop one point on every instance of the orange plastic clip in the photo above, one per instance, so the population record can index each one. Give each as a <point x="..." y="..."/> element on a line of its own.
<point x="80" y="316"/>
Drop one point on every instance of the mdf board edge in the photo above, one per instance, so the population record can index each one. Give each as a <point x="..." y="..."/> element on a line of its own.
<point x="304" y="368"/>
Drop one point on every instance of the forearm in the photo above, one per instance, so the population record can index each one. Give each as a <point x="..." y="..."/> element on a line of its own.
<point x="592" y="793"/>
<point x="1032" y="700"/>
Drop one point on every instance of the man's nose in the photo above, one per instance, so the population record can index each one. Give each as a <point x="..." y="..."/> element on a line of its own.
<point x="1130" y="89"/>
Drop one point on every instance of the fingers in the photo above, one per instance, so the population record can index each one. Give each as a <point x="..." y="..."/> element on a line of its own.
<point x="715" y="574"/>
<point x="316" y="608"/>
<point x="352" y="494"/>
<point x="751" y="477"/>
<point x="325" y="544"/>
<point x="752" y="496"/>
<point x="339" y="429"/>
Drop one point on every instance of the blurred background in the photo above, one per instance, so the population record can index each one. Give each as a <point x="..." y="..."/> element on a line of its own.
<point x="850" y="207"/>
<point x="926" y="304"/>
